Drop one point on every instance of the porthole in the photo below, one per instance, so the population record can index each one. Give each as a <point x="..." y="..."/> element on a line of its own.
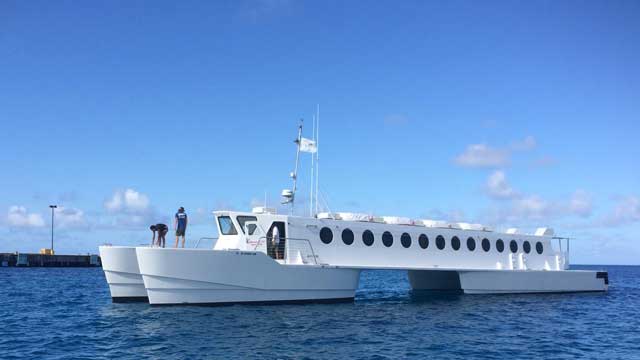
<point x="387" y="239"/>
<point x="347" y="236"/>
<point x="513" y="245"/>
<point x="471" y="244"/>
<point x="526" y="246"/>
<point x="440" y="242"/>
<point x="455" y="243"/>
<point x="539" y="247"/>
<point x="367" y="238"/>
<point x="486" y="245"/>
<point x="423" y="240"/>
<point x="405" y="240"/>
<point x="500" y="245"/>
<point x="326" y="235"/>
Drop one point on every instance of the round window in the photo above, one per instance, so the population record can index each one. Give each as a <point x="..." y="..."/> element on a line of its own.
<point x="440" y="242"/>
<point x="326" y="235"/>
<point x="347" y="236"/>
<point x="513" y="245"/>
<point x="539" y="247"/>
<point x="405" y="240"/>
<point x="486" y="245"/>
<point x="500" y="245"/>
<point x="527" y="247"/>
<point x="367" y="238"/>
<point x="423" y="240"/>
<point x="387" y="239"/>
<point x="455" y="243"/>
<point x="471" y="244"/>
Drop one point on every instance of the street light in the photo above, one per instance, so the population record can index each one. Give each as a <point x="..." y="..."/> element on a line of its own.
<point x="52" y="211"/>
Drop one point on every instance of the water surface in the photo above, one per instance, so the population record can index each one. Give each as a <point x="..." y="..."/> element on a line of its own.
<point x="64" y="313"/>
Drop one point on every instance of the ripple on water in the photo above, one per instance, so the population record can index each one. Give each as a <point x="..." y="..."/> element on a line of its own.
<point x="67" y="313"/>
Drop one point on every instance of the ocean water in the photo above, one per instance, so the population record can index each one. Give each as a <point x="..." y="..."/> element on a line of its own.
<point x="66" y="313"/>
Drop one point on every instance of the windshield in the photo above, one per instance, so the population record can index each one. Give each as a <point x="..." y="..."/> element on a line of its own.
<point x="226" y="226"/>
<point x="243" y="219"/>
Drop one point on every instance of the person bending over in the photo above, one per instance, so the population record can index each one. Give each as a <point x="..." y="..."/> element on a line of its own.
<point x="161" y="230"/>
<point x="180" y="224"/>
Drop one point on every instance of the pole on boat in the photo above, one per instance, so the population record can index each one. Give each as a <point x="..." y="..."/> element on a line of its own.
<point x="288" y="196"/>
<point x="312" y="165"/>
<point x="317" y="154"/>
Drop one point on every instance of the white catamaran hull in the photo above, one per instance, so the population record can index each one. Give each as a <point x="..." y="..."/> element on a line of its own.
<point x="120" y="266"/>
<point x="192" y="276"/>
<point x="509" y="281"/>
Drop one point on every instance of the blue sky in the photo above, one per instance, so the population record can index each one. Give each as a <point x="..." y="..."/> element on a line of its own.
<point x="507" y="113"/>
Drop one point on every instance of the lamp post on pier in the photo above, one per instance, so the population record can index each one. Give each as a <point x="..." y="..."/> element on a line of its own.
<point x="53" y="207"/>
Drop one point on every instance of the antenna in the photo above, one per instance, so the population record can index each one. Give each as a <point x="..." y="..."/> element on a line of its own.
<point x="312" y="165"/>
<point x="288" y="196"/>
<point x="317" y="152"/>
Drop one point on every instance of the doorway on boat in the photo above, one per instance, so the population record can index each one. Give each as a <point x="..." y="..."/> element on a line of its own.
<point x="276" y="238"/>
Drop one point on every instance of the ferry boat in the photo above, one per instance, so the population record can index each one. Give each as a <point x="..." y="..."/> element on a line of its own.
<point x="319" y="258"/>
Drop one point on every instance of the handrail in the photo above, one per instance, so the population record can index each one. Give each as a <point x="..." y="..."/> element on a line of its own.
<point x="204" y="238"/>
<point x="286" y="242"/>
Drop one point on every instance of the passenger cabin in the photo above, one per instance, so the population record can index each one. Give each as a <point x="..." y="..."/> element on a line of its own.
<point x="364" y="241"/>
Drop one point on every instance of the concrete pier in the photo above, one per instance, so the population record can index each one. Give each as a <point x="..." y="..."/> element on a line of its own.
<point x="40" y="260"/>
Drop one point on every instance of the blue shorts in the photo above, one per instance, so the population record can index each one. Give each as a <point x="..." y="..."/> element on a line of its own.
<point x="180" y="232"/>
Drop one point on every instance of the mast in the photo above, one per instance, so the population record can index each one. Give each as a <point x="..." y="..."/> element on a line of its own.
<point x="317" y="152"/>
<point x="312" y="165"/>
<point x="290" y="195"/>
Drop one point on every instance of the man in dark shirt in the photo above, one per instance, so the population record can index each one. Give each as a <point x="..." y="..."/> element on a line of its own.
<point x="181" y="225"/>
<point x="162" y="231"/>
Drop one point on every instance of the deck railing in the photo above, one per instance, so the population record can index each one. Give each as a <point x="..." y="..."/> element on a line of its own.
<point x="291" y="250"/>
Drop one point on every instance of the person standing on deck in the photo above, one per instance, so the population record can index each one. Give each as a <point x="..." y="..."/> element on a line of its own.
<point x="275" y="241"/>
<point x="181" y="225"/>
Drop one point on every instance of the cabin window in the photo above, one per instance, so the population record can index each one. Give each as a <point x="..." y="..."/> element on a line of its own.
<point x="405" y="240"/>
<point x="387" y="239"/>
<point x="440" y="242"/>
<point x="326" y="235"/>
<point x="347" y="236"/>
<point x="486" y="245"/>
<point x="243" y="219"/>
<point x="471" y="244"/>
<point x="500" y="245"/>
<point x="513" y="245"/>
<point x="455" y="243"/>
<point x="367" y="238"/>
<point x="527" y="247"/>
<point x="423" y="240"/>
<point x="226" y="226"/>
<point x="539" y="247"/>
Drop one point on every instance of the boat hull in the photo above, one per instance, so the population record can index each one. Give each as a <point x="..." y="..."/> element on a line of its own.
<point x="192" y="276"/>
<point x="120" y="265"/>
<point x="509" y="281"/>
<point x="520" y="282"/>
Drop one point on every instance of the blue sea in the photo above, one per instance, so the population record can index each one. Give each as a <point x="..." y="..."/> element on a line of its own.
<point x="66" y="313"/>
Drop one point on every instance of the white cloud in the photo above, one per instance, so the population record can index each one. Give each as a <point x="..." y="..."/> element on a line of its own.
<point x="18" y="216"/>
<point x="481" y="155"/>
<point x="580" y="204"/>
<point x="498" y="187"/>
<point x="127" y="200"/>
<point x="485" y="156"/>
<point x="69" y="217"/>
<point x="528" y="143"/>
<point x="626" y="211"/>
